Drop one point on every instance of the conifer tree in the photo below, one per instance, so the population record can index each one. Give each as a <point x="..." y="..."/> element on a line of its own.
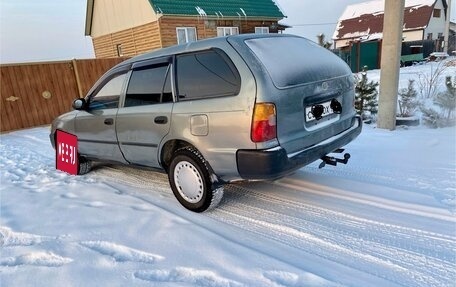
<point x="366" y="96"/>
<point x="407" y="100"/>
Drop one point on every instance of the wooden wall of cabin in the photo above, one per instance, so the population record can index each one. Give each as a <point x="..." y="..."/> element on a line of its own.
<point x="162" y="33"/>
<point x="133" y="41"/>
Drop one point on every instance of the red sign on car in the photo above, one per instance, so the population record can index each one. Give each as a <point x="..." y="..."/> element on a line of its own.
<point x="66" y="152"/>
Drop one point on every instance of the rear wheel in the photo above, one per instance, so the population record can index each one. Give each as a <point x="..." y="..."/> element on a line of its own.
<point x="190" y="180"/>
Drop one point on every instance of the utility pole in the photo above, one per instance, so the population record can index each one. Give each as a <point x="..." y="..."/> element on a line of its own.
<point x="447" y="27"/>
<point x="390" y="63"/>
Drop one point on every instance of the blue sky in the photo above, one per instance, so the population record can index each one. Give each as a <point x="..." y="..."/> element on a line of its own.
<point x="47" y="30"/>
<point x="43" y="30"/>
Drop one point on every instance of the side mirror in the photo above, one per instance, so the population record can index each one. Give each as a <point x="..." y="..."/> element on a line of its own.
<point x="79" y="104"/>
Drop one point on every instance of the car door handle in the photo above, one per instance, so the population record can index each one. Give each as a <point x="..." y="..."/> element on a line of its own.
<point x="108" y="121"/>
<point x="161" y="120"/>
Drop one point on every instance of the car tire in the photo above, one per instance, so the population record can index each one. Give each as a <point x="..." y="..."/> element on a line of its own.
<point x="190" y="179"/>
<point x="85" y="165"/>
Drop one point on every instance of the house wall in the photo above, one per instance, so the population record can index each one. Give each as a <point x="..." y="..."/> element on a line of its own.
<point x="110" y="16"/>
<point x="168" y="27"/>
<point x="134" y="41"/>
<point x="436" y="25"/>
<point x="207" y="28"/>
<point x="408" y="36"/>
<point x="162" y="33"/>
<point x="412" y="36"/>
<point x="249" y="26"/>
<point x="342" y="43"/>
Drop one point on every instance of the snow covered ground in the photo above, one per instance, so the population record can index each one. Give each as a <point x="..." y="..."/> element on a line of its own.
<point x="385" y="219"/>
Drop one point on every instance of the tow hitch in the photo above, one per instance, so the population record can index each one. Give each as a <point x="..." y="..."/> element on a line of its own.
<point x="333" y="160"/>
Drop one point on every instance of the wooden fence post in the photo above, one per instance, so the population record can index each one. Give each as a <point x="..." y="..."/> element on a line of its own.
<point x="78" y="80"/>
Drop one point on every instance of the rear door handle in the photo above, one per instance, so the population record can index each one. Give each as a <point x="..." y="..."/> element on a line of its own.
<point x="108" y="121"/>
<point x="161" y="120"/>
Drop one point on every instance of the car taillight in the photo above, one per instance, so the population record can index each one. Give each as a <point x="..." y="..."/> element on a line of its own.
<point x="264" y="124"/>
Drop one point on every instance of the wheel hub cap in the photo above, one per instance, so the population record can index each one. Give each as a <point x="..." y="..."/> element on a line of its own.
<point x="188" y="181"/>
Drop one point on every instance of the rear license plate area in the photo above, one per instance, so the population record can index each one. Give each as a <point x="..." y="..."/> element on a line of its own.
<point x="318" y="112"/>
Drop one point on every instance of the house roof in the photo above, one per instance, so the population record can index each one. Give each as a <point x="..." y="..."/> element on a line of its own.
<point x="366" y="19"/>
<point x="206" y="8"/>
<point x="219" y="8"/>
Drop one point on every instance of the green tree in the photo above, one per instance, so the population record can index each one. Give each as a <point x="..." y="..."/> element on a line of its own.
<point x="366" y="96"/>
<point x="407" y="100"/>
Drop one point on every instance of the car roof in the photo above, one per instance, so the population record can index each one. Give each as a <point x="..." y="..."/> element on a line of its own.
<point x="197" y="46"/>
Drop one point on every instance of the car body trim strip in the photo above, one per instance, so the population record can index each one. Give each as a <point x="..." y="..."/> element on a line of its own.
<point x="96" y="141"/>
<point x="139" y="144"/>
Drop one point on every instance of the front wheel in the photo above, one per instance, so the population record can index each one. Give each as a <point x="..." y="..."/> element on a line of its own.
<point x="85" y="165"/>
<point x="190" y="180"/>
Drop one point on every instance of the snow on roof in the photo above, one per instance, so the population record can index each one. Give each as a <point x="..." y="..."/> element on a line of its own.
<point x="356" y="10"/>
<point x="200" y="11"/>
<point x="364" y="19"/>
<point x="377" y="7"/>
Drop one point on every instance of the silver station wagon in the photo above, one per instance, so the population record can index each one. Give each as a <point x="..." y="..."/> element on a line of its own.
<point x="245" y="107"/>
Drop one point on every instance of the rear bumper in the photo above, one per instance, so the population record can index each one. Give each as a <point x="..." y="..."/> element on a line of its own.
<point x="275" y="163"/>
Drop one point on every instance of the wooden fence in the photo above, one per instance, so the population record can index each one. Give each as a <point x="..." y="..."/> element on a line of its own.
<point x="34" y="94"/>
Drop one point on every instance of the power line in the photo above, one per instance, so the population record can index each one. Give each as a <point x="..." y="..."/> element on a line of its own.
<point x="313" y="24"/>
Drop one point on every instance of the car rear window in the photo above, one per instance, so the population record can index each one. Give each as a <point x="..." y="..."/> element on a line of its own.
<point x="292" y="61"/>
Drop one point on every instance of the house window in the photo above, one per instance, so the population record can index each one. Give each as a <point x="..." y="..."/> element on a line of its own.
<point x="261" y="30"/>
<point x="440" y="36"/>
<point x="436" y="13"/>
<point x="119" y="50"/>
<point x="186" y="35"/>
<point x="429" y="36"/>
<point x="226" y="31"/>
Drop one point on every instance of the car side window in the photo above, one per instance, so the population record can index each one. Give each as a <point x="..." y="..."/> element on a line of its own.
<point x="149" y="86"/>
<point x="206" y="74"/>
<point x="167" y="89"/>
<point x="108" y="96"/>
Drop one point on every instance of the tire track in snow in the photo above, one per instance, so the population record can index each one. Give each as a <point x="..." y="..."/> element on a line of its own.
<point x="140" y="178"/>
<point x="437" y="184"/>
<point x="383" y="203"/>
<point x="402" y="254"/>
<point x="396" y="253"/>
